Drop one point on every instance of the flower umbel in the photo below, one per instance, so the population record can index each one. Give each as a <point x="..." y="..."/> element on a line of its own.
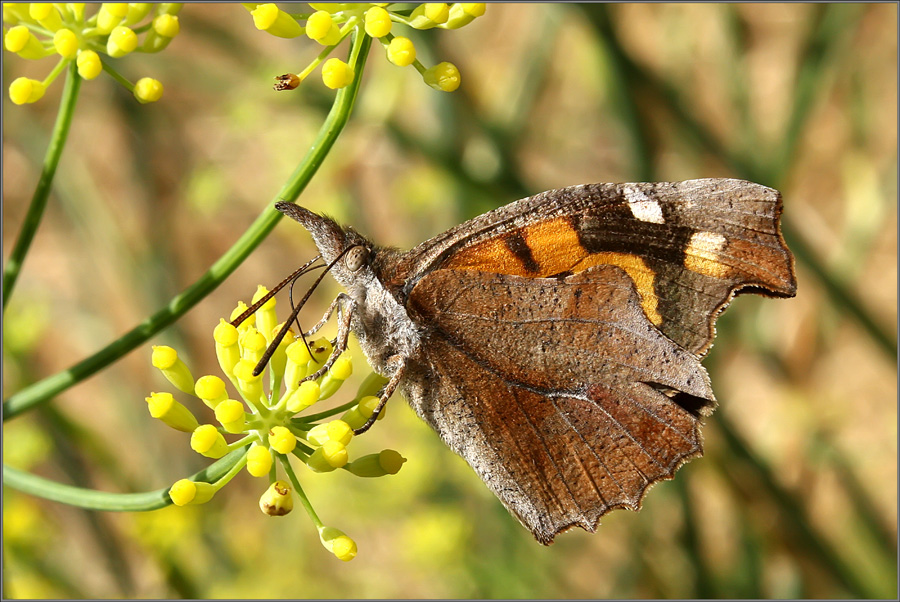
<point x="329" y="24"/>
<point x="41" y="30"/>
<point x="265" y="416"/>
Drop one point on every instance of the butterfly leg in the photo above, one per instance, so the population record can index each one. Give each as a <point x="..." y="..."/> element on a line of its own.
<point x="345" y="314"/>
<point x="386" y="393"/>
<point x="335" y="305"/>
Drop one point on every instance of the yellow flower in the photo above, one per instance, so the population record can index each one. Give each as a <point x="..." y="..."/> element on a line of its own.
<point x="122" y="40"/>
<point x="401" y="51"/>
<point x="277" y="500"/>
<point x="443" y="76"/>
<point x="20" y="40"/>
<point x="209" y="442"/>
<point x="230" y="414"/>
<point x="337" y="74"/>
<point x="378" y="22"/>
<point x="265" y="421"/>
<point x="337" y="542"/>
<point x="66" y="43"/>
<point x="428" y="15"/>
<point x="186" y="492"/>
<point x="164" y="407"/>
<point x="282" y="440"/>
<point x="89" y="65"/>
<point x="24" y="90"/>
<point x="388" y="462"/>
<point x="273" y="20"/>
<point x="259" y="461"/>
<point x="211" y="389"/>
<point x="147" y="90"/>
<point x="176" y="372"/>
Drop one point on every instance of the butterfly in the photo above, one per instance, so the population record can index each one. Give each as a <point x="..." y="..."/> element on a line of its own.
<point x="555" y="343"/>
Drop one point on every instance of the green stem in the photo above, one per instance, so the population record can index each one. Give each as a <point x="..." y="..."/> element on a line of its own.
<point x="111" y="502"/>
<point x="42" y="191"/>
<point x="45" y="389"/>
<point x="285" y="462"/>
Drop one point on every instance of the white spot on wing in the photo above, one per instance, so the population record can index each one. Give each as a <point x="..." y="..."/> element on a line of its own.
<point x="706" y="243"/>
<point x="643" y="207"/>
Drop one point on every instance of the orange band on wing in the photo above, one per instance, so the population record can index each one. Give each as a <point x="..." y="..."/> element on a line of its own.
<point x="548" y="248"/>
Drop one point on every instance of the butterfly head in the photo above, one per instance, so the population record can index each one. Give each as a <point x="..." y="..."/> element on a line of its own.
<point x="352" y="251"/>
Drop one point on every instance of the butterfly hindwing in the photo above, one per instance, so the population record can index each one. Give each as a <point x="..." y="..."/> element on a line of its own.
<point x="552" y="389"/>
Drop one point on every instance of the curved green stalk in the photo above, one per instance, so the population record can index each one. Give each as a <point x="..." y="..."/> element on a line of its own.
<point x="42" y="191"/>
<point x="112" y="502"/>
<point x="45" y="389"/>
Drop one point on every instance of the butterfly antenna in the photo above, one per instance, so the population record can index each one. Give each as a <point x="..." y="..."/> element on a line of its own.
<point x="284" y="329"/>
<point x="262" y="301"/>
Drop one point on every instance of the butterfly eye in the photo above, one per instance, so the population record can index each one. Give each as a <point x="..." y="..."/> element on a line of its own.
<point x="356" y="257"/>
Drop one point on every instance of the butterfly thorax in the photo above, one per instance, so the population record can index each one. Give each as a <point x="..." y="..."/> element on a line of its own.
<point x="381" y="325"/>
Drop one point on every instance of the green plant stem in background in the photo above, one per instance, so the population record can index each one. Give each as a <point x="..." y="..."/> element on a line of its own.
<point x="45" y="183"/>
<point x="45" y="389"/>
<point x="101" y="500"/>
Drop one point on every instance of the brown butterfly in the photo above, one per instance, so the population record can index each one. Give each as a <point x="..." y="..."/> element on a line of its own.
<point x="555" y="343"/>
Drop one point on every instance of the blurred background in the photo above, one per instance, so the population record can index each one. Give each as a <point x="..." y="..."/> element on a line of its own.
<point x="796" y="496"/>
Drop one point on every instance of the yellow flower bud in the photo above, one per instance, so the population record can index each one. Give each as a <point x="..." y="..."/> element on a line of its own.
<point x="304" y="396"/>
<point x="164" y="28"/>
<point x="137" y="11"/>
<point x="278" y="361"/>
<point x="230" y="414"/>
<point x="367" y="407"/>
<point x="66" y="43"/>
<point x="20" y="40"/>
<point x="122" y="40"/>
<point x="378" y="22"/>
<point x="45" y="14"/>
<point x="24" y="90"/>
<point x="266" y="319"/>
<point x="298" y="359"/>
<point x="321" y="351"/>
<point x="340" y="371"/>
<point x="339" y="431"/>
<point x="227" y="350"/>
<point x="273" y="20"/>
<point x="277" y="500"/>
<point x="166" y="360"/>
<point x="388" y="462"/>
<point x="164" y="407"/>
<point x="259" y="461"/>
<point x="250" y="385"/>
<point x="338" y="543"/>
<point x="428" y="15"/>
<point x="401" y="51"/>
<point x="208" y="441"/>
<point x="211" y="389"/>
<point x="443" y="76"/>
<point x="186" y="492"/>
<point x="282" y="439"/>
<point x="337" y="74"/>
<point x="248" y="322"/>
<point x="463" y="13"/>
<point x="89" y="65"/>
<point x="169" y="8"/>
<point x="354" y="417"/>
<point x="110" y="15"/>
<point x="330" y="456"/>
<point x="253" y="345"/>
<point x="321" y="28"/>
<point x="371" y="385"/>
<point x="148" y="90"/>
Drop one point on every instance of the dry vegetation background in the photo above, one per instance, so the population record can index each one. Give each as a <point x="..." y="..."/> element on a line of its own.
<point x="797" y="493"/>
